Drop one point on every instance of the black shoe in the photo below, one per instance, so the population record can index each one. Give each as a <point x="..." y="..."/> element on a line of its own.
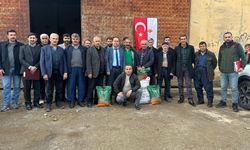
<point x="59" y="105"/>
<point x="181" y="100"/>
<point x="209" y="104"/>
<point x="37" y="105"/>
<point x="191" y="102"/>
<point x="170" y="97"/>
<point x="221" y="104"/>
<point x="71" y="104"/>
<point x="89" y="105"/>
<point x="137" y="107"/>
<point x="28" y="107"/>
<point x="124" y="103"/>
<point x="200" y="102"/>
<point x="235" y="107"/>
<point x="168" y="100"/>
<point x="81" y="104"/>
<point x="48" y="108"/>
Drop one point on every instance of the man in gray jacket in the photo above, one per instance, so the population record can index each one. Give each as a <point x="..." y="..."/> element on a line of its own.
<point x="95" y="68"/>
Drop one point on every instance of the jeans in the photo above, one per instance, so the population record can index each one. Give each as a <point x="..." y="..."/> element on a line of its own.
<point x="232" y="79"/>
<point x="201" y="80"/>
<point x="7" y="80"/>
<point x="76" y="76"/>
<point x="164" y="74"/>
<point x="135" y="96"/>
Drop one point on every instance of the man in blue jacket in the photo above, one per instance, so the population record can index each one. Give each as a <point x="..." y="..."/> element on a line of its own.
<point x="54" y="70"/>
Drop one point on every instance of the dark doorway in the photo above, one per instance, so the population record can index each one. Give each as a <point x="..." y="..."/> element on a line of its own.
<point x="59" y="16"/>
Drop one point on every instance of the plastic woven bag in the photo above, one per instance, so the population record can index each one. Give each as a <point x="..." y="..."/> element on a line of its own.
<point x="104" y="94"/>
<point x="155" y="95"/>
<point x="143" y="74"/>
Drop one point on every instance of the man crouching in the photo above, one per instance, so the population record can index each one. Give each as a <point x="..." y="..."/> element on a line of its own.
<point x="127" y="87"/>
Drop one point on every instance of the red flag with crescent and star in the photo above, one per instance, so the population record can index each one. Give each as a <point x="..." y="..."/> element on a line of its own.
<point x="140" y="31"/>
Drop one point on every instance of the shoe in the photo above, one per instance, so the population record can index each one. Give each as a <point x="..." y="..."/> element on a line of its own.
<point x="59" y="105"/>
<point x="28" y="107"/>
<point x="81" y="104"/>
<point x="181" y="100"/>
<point x="235" y="107"/>
<point x="168" y="100"/>
<point x="170" y="97"/>
<point x="191" y="102"/>
<point x="89" y="105"/>
<point x="137" y="107"/>
<point x="71" y="104"/>
<point x="37" y="105"/>
<point x="124" y="103"/>
<point x="5" y="109"/>
<point x="48" y="108"/>
<point x="15" y="106"/>
<point x="221" y="104"/>
<point x="200" y="102"/>
<point x="209" y="104"/>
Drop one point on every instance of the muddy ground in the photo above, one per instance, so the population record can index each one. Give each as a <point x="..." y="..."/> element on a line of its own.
<point x="168" y="126"/>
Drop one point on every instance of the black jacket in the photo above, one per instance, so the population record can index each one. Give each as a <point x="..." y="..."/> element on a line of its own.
<point x="191" y="57"/>
<point x="68" y="53"/>
<point x="120" y="81"/>
<point x="28" y="58"/>
<point x="4" y="58"/>
<point x="171" y="61"/>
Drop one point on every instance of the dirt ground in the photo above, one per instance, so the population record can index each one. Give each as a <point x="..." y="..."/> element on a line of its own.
<point x="169" y="126"/>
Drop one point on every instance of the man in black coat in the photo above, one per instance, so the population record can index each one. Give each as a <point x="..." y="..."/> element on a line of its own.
<point x="165" y="68"/>
<point x="184" y="68"/>
<point x="126" y="86"/>
<point x="30" y="59"/>
<point x="10" y="70"/>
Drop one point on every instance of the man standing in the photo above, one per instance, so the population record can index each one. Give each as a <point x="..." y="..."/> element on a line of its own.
<point x="145" y="57"/>
<point x="30" y="59"/>
<point x="127" y="86"/>
<point x="205" y="63"/>
<point x="44" y="38"/>
<point x="10" y="70"/>
<point x="115" y="61"/>
<point x="64" y="45"/>
<point x="76" y="62"/>
<point x="130" y="54"/>
<point x="95" y="65"/>
<point x="184" y="68"/>
<point x="230" y="52"/>
<point x="155" y="51"/>
<point x="165" y="67"/>
<point x="54" y="70"/>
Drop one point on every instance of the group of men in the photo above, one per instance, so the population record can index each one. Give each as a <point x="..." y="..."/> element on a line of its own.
<point x="70" y="66"/>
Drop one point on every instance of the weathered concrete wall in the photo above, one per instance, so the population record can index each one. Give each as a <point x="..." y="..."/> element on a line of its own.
<point x="210" y="19"/>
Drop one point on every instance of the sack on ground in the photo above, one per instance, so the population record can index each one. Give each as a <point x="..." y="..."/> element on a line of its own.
<point x="143" y="74"/>
<point x="154" y="92"/>
<point x="145" y="98"/>
<point x="104" y="94"/>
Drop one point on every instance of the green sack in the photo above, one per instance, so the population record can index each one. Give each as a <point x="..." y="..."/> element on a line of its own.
<point x="155" y="95"/>
<point x="104" y="94"/>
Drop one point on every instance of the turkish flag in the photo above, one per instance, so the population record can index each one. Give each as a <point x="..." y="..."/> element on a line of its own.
<point x="140" y="31"/>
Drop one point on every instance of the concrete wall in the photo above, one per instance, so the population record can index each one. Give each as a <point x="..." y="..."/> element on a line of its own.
<point x="210" y="19"/>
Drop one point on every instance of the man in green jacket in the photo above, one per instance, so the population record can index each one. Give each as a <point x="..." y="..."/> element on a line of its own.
<point x="229" y="53"/>
<point x="205" y="63"/>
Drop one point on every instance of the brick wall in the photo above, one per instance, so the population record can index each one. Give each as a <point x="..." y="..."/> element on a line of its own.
<point x="115" y="17"/>
<point x="14" y="14"/>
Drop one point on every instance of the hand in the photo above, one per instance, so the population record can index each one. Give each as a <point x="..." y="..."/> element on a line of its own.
<point x="1" y="72"/>
<point x="33" y="69"/>
<point x="65" y="76"/>
<point x="139" y="68"/>
<point x="108" y="73"/>
<point x="129" y="93"/>
<point x="156" y="75"/>
<point x="142" y="67"/>
<point x="90" y="76"/>
<point x="171" y="74"/>
<point x="120" y="94"/>
<point x="45" y="77"/>
<point x="241" y="69"/>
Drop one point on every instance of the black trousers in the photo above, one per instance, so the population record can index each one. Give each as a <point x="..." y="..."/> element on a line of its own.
<point x="55" y="81"/>
<point x="27" y="90"/>
<point x="114" y="73"/>
<point x="42" y="88"/>
<point x="92" y="83"/>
